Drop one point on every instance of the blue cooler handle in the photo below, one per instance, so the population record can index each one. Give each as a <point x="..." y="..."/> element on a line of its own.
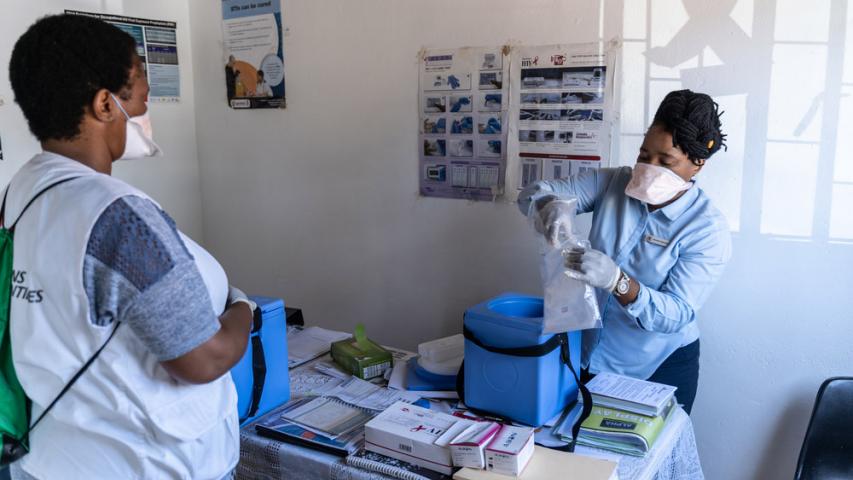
<point x="559" y="340"/>
<point x="259" y="364"/>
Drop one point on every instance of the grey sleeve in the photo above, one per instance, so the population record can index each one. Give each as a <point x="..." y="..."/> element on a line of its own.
<point x="137" y="270"/>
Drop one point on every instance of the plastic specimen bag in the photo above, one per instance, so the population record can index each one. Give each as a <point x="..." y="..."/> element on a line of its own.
<point x="569" y="304"/>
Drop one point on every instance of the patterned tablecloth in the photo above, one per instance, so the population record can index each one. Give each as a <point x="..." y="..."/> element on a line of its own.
<point x="674" y="457"/>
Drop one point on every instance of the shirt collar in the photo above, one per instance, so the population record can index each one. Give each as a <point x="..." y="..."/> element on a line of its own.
<point x="676" y="208"/>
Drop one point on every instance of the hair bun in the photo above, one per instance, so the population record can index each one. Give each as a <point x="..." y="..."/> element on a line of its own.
<point x="693" y="119"/>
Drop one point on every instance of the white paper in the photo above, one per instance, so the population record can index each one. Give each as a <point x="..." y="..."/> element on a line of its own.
<point x="306" y="382"/>
<point x="630" y="389"/>
<point x="328" y="417"/>
<point x="331" y="369"/>
<point x="367" y="395"/>
<point x="310" y="343"/>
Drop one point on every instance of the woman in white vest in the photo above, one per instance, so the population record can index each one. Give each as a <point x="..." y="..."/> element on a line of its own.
<point x="93" y="256"/>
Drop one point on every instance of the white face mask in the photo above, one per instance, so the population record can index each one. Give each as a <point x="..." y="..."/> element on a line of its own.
<point x="655" y="185"/>
<point x="139" y="140"/>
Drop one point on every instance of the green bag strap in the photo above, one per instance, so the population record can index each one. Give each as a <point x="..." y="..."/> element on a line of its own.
<point x="104" y="345"/>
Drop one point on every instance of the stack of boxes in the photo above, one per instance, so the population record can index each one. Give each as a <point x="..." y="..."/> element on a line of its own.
<point x="440" y="442"/>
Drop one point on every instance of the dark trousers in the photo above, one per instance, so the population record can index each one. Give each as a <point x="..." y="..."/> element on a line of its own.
<point x="681" y="370"/>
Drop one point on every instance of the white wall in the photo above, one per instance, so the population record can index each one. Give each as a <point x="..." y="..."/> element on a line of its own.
<point x="779" y="323"/>
<point x="318" y="203"/>
<point x="172" y="180"/>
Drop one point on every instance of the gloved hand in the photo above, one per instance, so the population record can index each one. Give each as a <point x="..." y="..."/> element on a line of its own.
<point x="235" y="295"/>
<point x="592" y="267"/>
<point x="533" y="192"/>
<point x="555" y="219"/>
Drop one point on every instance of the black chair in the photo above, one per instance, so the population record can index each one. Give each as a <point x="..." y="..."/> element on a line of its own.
<point x="827" y="451"/>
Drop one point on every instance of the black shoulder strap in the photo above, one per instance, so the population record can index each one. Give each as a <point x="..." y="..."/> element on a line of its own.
<point x="45" y="189"/>
<point x="585" y="395"/>
<point x="559" y="340"/>
<point x="75" y="377"/>
<point x="259" y="365"/>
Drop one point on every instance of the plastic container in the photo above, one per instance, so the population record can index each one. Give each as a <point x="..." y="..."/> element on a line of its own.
<point x="442" y="349"/>
<point x="273" y="337"/>
<point x="442" y="356"/>
<point x="530" y="390"/>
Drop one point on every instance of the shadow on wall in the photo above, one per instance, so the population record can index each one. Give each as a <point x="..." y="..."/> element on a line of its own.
<point x="783" y="74"/>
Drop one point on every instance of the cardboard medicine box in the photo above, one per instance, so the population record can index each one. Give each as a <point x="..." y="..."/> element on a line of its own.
<point x="415" y="435"/>
<point x="510" y="450"/>
<point x="468" y="448"/>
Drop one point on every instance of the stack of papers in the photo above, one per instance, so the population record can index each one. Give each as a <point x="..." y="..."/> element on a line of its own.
<point x="274" y="425"/>
<point x="307" y="344"/>
<point x="364" y="394"/>
<point x="630" y="394"/>
<point x="328" y="416"/>
<point x="622" y="432"/>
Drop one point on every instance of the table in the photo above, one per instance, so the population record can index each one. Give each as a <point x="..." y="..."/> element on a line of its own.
<point x="674" y="457"/>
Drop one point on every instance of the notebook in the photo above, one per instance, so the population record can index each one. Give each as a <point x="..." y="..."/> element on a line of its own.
<point x="391" y="467"/>
<point x="546" y="462"/>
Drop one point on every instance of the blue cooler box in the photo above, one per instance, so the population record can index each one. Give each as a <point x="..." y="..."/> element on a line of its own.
<point x="266" y="357"/>
<point x="530" y="390"/>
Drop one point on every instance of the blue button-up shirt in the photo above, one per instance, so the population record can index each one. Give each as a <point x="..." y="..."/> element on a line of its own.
<point x="676" y="253"/>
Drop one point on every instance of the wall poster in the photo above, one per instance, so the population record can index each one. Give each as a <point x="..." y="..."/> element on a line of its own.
<point x="254" y="53"/>
<point x="157" y="46"/>
<point x="562" y="99"/>
<point x="462" y="117"/>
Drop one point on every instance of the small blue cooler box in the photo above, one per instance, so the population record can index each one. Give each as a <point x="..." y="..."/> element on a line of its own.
<point x="527" y="389"/>
<point x="266" y="359"/>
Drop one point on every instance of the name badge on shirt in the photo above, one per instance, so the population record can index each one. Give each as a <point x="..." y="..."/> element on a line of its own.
<point x="661" y="242"/>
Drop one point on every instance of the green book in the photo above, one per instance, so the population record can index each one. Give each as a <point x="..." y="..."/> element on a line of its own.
<point x="621" y="431"/>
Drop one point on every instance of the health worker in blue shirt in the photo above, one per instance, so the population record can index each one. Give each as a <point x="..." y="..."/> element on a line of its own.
<point x="658" y="246"/>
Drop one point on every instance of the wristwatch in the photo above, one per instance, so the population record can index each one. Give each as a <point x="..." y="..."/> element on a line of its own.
<point x="623" y="284"/>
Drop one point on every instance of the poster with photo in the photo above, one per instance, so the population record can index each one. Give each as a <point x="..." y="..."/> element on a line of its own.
<point x="157" y="46"/>
<point x="462" y="109"/>
<point x="562" y="98"/>
<point x="254" y="54"/>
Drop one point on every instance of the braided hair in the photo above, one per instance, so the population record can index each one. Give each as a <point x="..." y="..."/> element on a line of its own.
<point x="693" y="119"/>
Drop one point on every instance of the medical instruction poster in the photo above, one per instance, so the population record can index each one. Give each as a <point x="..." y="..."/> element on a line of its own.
<point x="561" y="105"/>
<point x="463" y="112"/>
<point x="254" y="53"/>
<point x="157" y="46"/>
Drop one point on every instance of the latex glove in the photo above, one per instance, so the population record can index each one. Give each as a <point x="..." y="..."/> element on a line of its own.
<point x="235" y="295"/>
<point x="592" y="267"/>
<point x="531" y="193"/>
<point x="555" y="220"/>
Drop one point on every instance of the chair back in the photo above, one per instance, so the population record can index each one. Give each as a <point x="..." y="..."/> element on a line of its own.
<point x="827" y="451"/>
